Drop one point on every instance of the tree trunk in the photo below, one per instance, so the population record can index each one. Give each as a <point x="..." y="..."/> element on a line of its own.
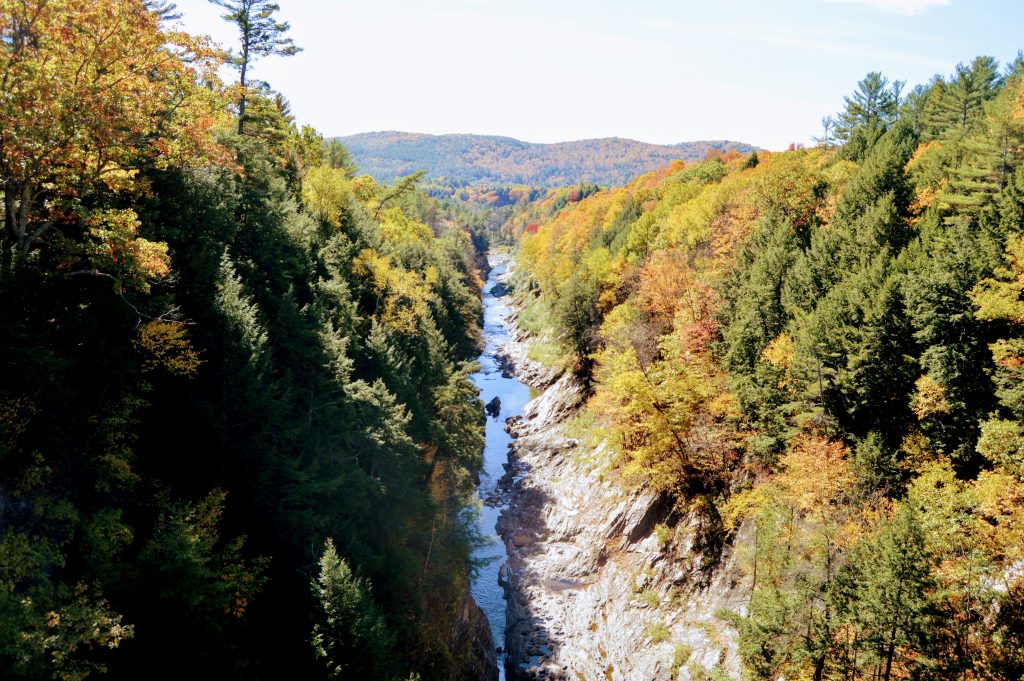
<point x="819" y="668"/>
<point x="5" y="257"/>
<point x="7" y="240"/>
<point x="891" y="652"/>
<point x="19" y="197"/>
<point x="241" y="81"/>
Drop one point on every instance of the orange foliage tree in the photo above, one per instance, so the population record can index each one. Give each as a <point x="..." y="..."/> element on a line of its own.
<point x="90" y="94"/>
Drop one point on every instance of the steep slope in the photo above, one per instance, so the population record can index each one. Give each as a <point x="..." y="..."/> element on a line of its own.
<point x="814" y="358"/>
<point x="596" y="587"/>
<point x="487" y="159"/>
<point x="235" y="407"/>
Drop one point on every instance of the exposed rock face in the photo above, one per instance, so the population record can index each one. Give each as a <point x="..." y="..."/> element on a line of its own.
<point x="480" y="663"/>
<point x="593" y="591"/>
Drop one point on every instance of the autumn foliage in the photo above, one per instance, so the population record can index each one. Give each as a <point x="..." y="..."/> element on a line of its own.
<point x="94" y="94"/>
<point x="230" y="361"/>
<point x="820" y="351"/>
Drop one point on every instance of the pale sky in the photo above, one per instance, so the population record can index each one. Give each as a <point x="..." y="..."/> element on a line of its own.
<point x="663" y="71"/>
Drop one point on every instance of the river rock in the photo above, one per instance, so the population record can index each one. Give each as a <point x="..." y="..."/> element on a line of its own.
<point x="493" y="408"/>
<point x="592" y="551"/>
<point x="521" y="539"/>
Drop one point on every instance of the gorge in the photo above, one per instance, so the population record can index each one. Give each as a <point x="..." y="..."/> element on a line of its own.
<point x="575" y="576"/>
<point x="466" y="408"/>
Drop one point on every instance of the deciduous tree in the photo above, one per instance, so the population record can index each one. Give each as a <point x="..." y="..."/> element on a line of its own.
<point x="89" y="96"/>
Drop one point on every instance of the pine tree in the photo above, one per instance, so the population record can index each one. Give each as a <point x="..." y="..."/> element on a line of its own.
<point x="983" y="160"/>
<point x="350" y="635"/>
<point x="576" y="310"/>
<point x="955" y="105"/>
<point x="337" y="155"/>
<point x="260" y="35"/>
<point x="886" y="594"/>
<point x="870" y="110"/>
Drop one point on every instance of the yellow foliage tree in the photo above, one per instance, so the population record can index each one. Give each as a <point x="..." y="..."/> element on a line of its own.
<point x="167" y="346"/>
<point x="671" y="420"/>
<point x="325" y="193"/>
<point x="403" y="295"/>
<point x="91" y="93"/>
<point x="1000" y="297"/>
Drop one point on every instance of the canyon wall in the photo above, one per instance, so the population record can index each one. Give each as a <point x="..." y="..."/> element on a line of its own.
<point x="603" y="582"/>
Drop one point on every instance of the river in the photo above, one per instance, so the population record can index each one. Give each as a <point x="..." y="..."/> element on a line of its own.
<point x="514" y="396"/>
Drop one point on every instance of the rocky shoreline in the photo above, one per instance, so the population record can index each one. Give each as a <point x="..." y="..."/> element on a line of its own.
<point x="593" y="590"/>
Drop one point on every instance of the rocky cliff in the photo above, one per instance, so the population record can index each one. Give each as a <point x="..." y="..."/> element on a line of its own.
<point x="479" y="661"/>
<point x="602" y="583"/>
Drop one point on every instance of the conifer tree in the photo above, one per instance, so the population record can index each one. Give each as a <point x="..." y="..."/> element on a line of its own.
<point x="955" y="105"/>
<point x="869" y="111"/>
<point x="888" y="590"/>
<point x="982" y="162"/>
<point x="337" y="155"/>
<point x="350" y="636"/>
<point x="260" y="34"/>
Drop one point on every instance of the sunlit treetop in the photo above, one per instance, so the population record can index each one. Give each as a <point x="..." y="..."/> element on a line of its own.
<point x="90" y="94"/>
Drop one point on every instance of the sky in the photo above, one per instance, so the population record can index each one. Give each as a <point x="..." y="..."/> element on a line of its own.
<point x="663" y="71"/>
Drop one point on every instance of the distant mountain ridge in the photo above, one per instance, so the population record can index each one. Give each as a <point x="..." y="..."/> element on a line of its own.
<point x="493" y="160"/>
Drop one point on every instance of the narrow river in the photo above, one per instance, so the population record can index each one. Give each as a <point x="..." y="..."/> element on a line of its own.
<point x="514" y="396"/>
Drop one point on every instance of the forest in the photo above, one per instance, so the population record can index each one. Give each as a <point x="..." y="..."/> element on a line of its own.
<point x="489" y="161"/>
<point x="225" y="353"/>
<point x="820" y="349"/>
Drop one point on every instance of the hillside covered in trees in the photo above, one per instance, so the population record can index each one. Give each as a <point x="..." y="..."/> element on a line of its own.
<point x="824" y="347"/>
<point x="236" y="425"/>
<point x="462" y="160"/>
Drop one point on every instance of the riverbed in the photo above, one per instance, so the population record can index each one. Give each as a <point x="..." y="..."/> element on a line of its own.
<point x="513" y="396"/>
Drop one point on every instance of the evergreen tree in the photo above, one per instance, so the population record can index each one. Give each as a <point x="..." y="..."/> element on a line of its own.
<point x="260" y="34"/>
<point x="983" y="159"/>
<point x="576" y="311"/>
<point x="337" y="155"/>
<point x="869" y="111"/>
<point x="886" y="595"/>
<point x="350" y="635"/>
<point x="956" y="105"/>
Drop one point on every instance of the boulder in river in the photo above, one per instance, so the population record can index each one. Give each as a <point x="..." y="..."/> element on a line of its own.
<point x="493" y="408"/>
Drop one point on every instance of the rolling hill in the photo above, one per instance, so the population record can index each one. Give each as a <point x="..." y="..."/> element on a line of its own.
<point x="491" y="160"/>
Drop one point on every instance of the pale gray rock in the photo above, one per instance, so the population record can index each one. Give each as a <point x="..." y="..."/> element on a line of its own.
<point x="586" y="576"/>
